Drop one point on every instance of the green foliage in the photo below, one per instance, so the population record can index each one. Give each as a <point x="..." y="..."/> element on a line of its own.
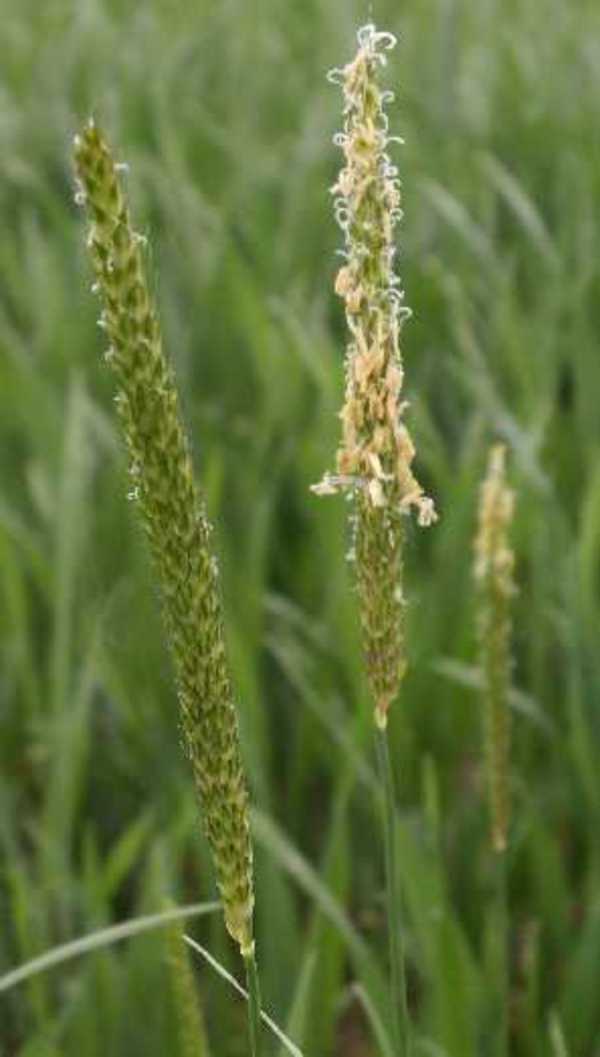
<point x="224" y="114"/>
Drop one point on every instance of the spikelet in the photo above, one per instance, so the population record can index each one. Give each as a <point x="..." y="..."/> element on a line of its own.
<point x="174" y="518"/>
<point x="193" y="1040"/>
<point x="494" y="562"/>
<point x="374" y="460"/>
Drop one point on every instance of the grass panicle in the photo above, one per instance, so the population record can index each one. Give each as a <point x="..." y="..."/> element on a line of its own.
<point x="493" y="570"/>
<point x="193" y="1040"/>
<point x="374" y="460"/>
<point x="172" y="512"/>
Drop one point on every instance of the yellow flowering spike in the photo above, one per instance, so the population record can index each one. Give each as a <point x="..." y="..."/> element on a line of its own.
<point x="374" y="460"/>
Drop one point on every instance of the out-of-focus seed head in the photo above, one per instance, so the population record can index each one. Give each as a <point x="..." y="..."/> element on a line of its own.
<point x="493" y="571"/>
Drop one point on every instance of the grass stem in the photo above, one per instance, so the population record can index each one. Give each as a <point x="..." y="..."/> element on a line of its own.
<point x="399" y="1004"/>
<point x="254" y="1011"/>
<point x="502" y="972"/>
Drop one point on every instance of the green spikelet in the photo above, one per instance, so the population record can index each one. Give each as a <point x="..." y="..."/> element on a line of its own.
<point x="173" y="515"/>
<point x="193" y="1041"/>
<point x="378" y="566"/>
<point x="376" y="452"/>
<point x="494" y="562"/>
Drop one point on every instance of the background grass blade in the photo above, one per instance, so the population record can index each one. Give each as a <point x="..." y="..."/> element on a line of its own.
<point x="101" y="938"/>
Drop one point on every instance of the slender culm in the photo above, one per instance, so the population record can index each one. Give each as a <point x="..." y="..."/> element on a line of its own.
<point x="494" y="562"/>
<point x="172" y="512"/>
<point x="375" y="456"/>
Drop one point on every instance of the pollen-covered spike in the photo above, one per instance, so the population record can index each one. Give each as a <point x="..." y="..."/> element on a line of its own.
<point x="374" y="459"/>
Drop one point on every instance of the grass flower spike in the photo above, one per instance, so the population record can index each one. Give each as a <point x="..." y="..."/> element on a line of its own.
<point x="374" y="460"/>
<point x="494" y="562"/>
<point x="173" y="515"/>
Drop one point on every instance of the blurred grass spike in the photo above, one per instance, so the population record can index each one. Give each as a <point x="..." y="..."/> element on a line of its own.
<point x="193" y="1041"/>
<point x="494" y="563"/>
<point x="374" y="460"/>
<point x="172" y="512"/>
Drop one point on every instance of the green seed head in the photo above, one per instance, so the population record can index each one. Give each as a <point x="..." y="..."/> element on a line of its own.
<point x="493" y="570"/>
<point x="374" y="460"/>
<point x="191" y="1029"/>
<point x="173" y="515"/>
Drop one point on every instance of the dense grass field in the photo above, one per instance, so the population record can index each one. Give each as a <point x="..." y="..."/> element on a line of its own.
<point x="224" y="114"/>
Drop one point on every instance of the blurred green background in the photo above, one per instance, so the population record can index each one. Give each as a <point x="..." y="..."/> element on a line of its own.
<point x="224" y="114"/>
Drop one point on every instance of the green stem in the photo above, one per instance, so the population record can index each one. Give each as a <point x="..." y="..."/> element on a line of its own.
<point x="400" y="1022"/>
<point x="502" y="981"/>
<point x="253" y="1003"/>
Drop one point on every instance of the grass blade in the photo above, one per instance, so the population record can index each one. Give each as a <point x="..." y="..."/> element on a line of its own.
<point x="270" y="836"/>
<point x="379" y="1029"/>
<point x="103" y="938"/>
